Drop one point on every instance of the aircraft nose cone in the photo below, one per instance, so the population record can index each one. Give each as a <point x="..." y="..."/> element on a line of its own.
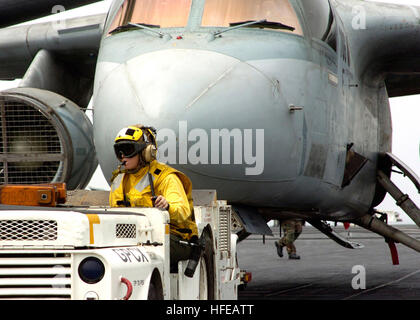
<point x="204" y="90"/>
<point x="169" y="83"/>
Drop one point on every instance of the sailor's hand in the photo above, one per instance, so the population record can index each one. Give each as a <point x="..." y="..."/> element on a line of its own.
<point x="161" y="203"/>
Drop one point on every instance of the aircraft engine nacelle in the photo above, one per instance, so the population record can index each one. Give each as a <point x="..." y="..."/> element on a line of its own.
<point x="44" y="137"/>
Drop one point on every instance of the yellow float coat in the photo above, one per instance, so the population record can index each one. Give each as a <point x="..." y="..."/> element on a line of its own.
<point x="172" y="184"/>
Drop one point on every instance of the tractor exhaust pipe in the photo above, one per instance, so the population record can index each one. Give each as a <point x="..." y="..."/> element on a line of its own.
<point x="389" y="233"/>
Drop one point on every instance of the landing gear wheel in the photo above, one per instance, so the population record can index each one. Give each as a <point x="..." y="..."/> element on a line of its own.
<point x="207" y="270"/>
<point x="155" y="287"/>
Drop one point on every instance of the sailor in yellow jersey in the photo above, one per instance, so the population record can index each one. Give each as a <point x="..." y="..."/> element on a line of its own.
<point x="145" y="182"/>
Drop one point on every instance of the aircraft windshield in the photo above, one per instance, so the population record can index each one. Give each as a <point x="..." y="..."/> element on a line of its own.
<point x="161" y="13"/>
<point x="222" y="13"/>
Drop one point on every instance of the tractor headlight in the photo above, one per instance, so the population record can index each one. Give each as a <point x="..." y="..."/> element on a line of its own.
<point x="91" y="270"/>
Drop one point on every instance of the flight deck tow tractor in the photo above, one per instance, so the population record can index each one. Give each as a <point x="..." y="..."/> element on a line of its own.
<point x="65" y="245"/>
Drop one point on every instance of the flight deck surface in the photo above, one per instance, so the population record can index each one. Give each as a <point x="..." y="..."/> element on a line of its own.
<point x="327" y="271"/>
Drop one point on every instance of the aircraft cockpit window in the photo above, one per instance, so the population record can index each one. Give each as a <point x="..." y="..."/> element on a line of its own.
<point x="152" y="13"/>
<point x="319" y="18"/>
<point x="279" y="14"/>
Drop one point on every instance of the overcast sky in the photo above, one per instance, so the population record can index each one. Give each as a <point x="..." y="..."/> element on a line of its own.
<point x="405" y="118"/>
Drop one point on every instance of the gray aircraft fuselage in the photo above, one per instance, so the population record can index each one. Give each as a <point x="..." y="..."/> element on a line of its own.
<point x="309" y="101"/>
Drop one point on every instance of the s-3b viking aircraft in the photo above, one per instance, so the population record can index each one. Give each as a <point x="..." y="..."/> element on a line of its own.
<point x="298" y="88"/>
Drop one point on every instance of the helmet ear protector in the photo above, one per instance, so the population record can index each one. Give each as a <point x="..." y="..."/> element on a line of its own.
<point x="149" y="153"/>
<point x="133" y="140"/>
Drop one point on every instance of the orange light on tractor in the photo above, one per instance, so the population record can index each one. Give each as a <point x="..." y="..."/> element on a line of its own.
<point x="48" y="195"/>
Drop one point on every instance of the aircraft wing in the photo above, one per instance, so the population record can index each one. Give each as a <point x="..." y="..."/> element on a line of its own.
<point x="385" y="42"/>
<point x="58" y="56"/>
<point x="17" y="11"/>
<point x="403" y="67"/>
<point x="402" y="85"/>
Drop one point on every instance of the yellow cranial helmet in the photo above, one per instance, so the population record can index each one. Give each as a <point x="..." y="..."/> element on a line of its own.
<point x="130" y="133"/>
<point x="133" y="140"/>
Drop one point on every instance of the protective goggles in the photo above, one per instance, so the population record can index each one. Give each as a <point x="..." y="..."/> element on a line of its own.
<point x="128" y="149"/>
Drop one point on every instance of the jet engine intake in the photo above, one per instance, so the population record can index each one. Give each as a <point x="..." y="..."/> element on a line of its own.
<point x="44" y="137"/>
